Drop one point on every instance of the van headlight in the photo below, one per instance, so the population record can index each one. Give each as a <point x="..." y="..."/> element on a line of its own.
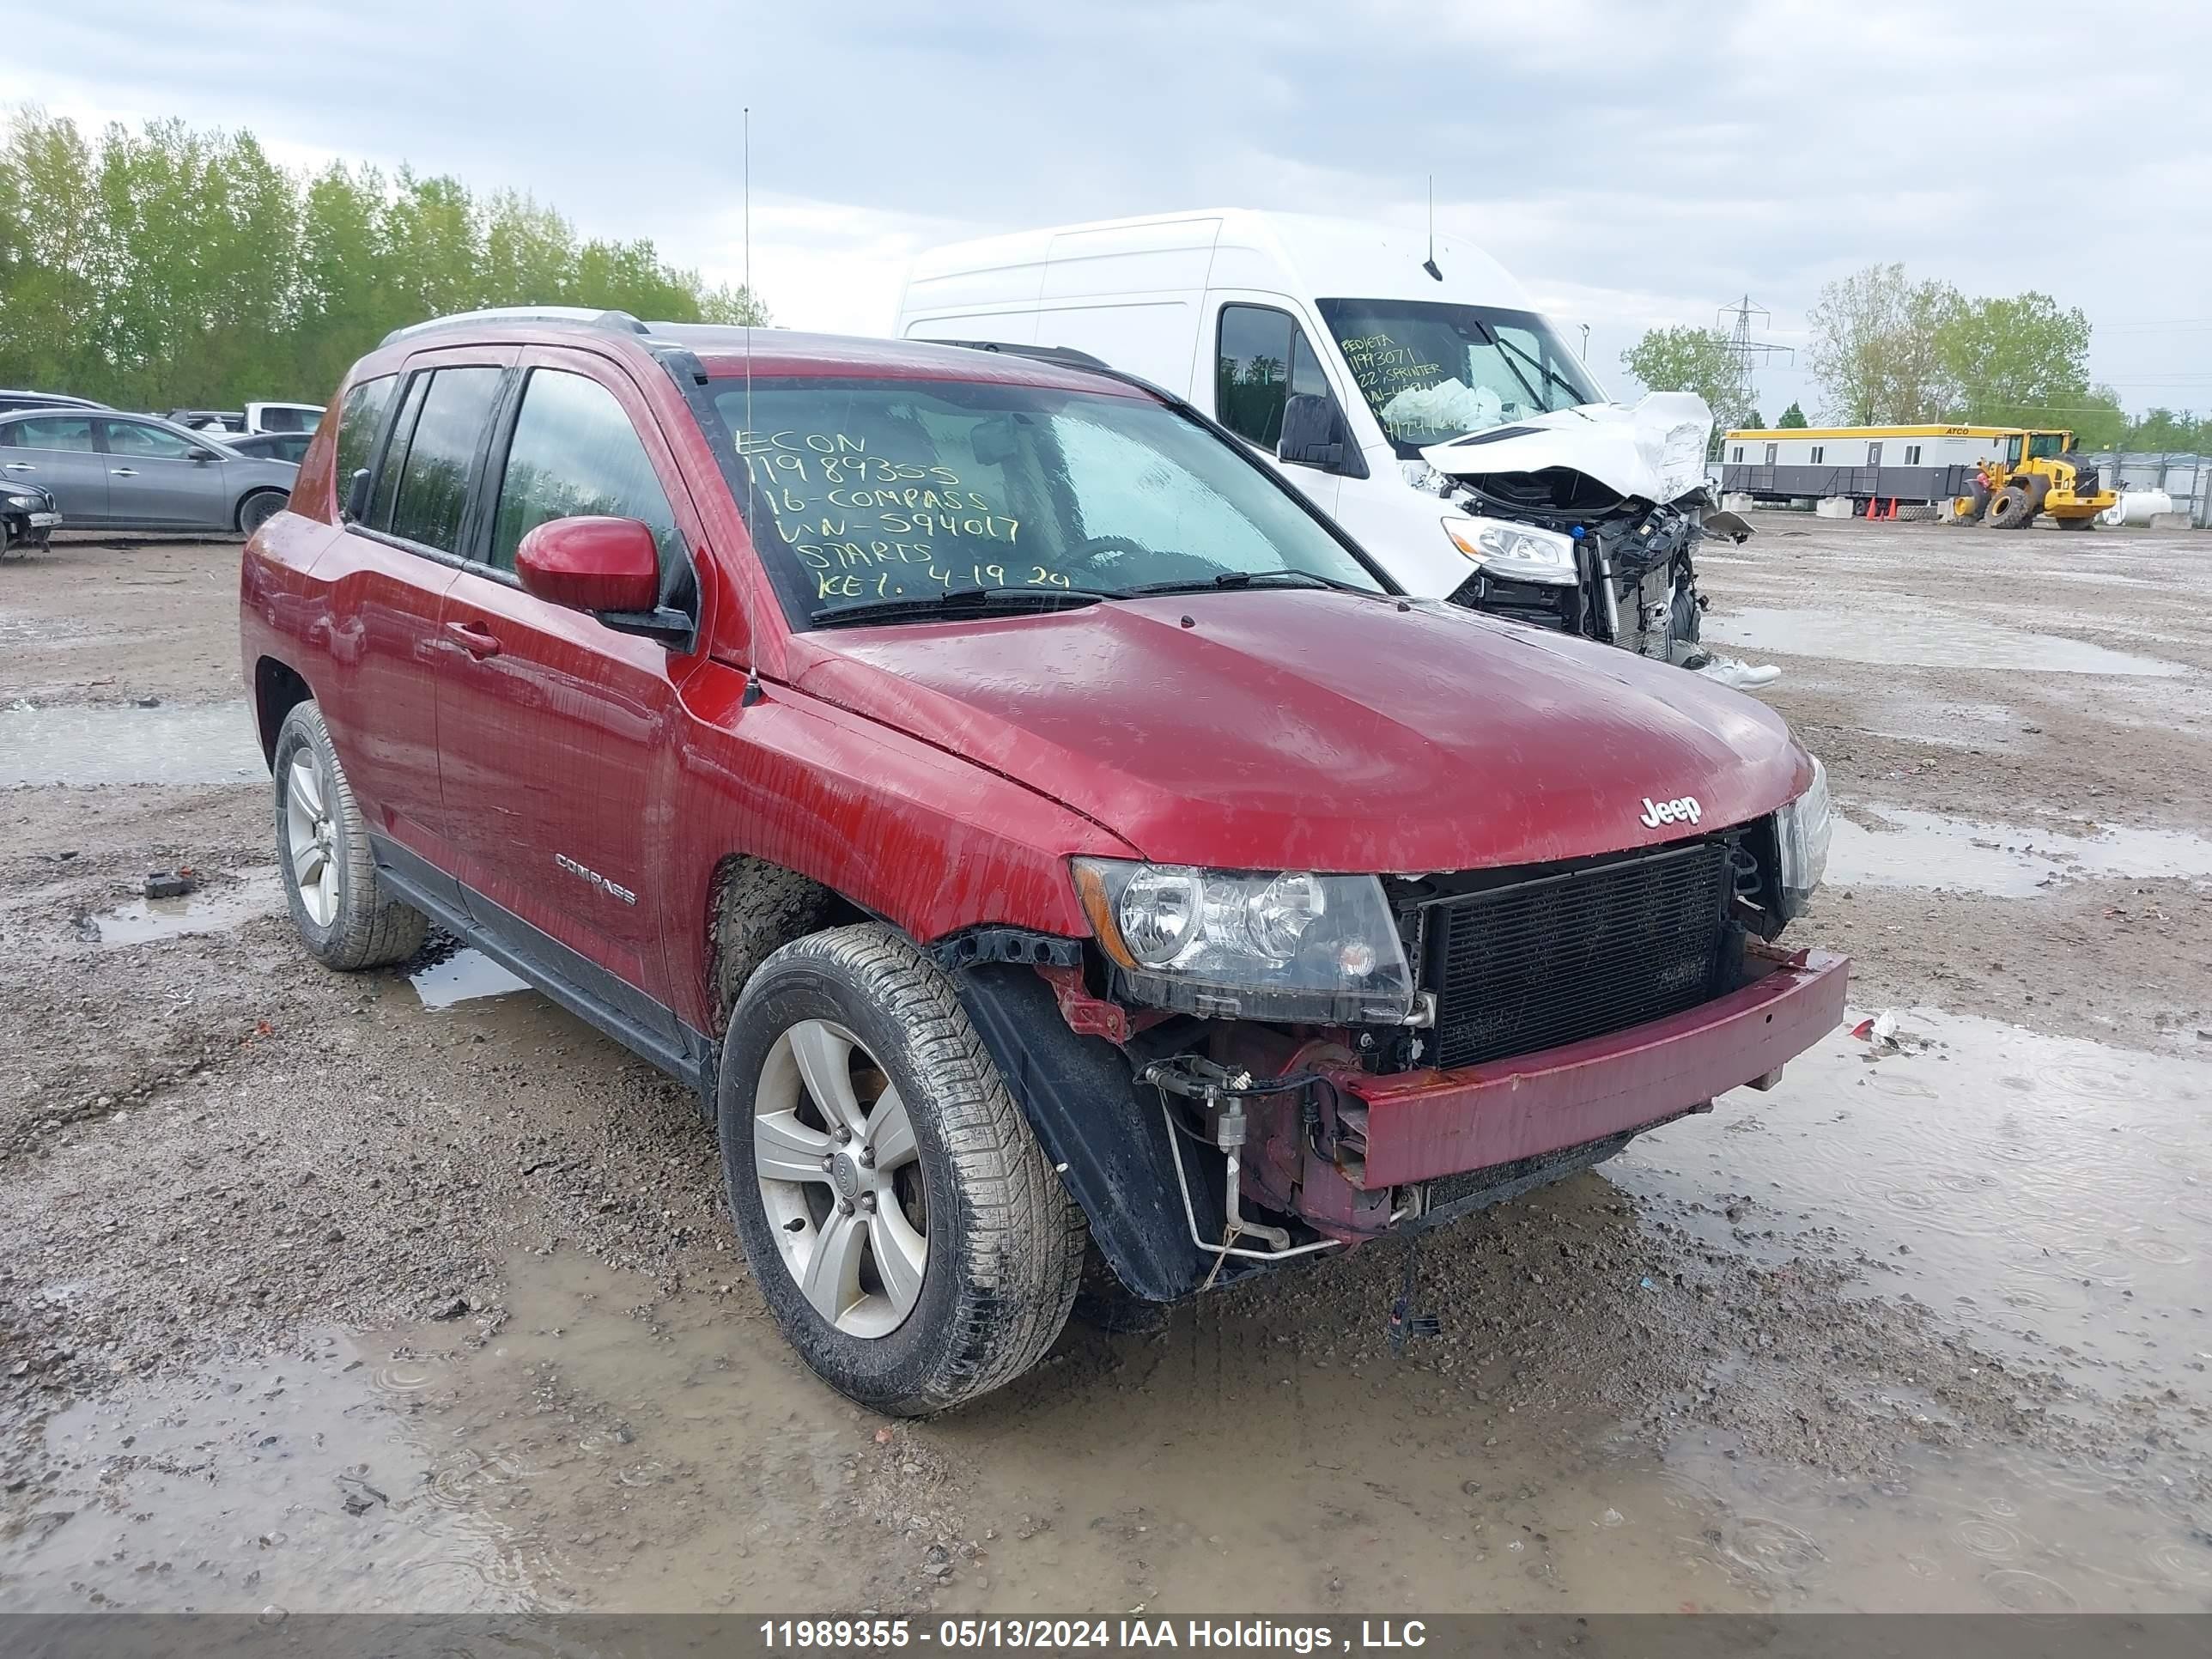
<point x="1802" y="830"/>
<point x="1516" y="552"/>
<point x="1249" y="945"/>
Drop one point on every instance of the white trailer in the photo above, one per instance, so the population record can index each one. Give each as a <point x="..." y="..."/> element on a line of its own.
<point x="1909" y="464"/>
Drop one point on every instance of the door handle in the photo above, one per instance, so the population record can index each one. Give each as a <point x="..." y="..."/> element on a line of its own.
<point x="475" y="638"/>
<point x="122" y="471"/>
<point x="17" y="467"/>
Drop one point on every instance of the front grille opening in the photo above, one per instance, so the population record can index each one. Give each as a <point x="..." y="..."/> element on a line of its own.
<point x="1554" y="959"/>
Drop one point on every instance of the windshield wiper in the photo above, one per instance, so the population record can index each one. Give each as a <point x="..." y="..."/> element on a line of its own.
<point x="960" y="603"/>
<point x="1248" y="579"/>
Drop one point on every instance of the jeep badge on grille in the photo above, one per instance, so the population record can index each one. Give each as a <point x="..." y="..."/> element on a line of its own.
<point x="1683" y="809"/>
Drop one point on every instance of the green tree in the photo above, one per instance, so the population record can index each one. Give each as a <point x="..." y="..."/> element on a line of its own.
<point x="2096" y="420"/>
<point x="175" y="266"/>
<point x="1792" y="418"/>
<point x="2170" y="432"/>
<point x="2017" y="361"/>
<point x="1680" y="358"/>
<point x="1752" y="421"/>
<point x="1875" y="348"/>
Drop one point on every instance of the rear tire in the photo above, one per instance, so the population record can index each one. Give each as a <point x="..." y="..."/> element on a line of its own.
<point x="851" y="1030"/>
<point x="343" y="916"/>
<point x="259" y="507"/>
<point x="2011" y="509"/>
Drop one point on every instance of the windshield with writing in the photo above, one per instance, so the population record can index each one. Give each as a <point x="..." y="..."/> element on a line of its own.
<point x="896" y="490"/>
<point x="1431" y="371"/>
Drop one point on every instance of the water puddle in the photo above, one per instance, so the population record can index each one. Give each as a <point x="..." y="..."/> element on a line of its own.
<point x="1929" y="850"/>
<point x="292" y="1484"/>
<point x="1887" y="637"/>
<point x="595" y="1440"/>
<point x="581" y="1448"/>
<point x="258" y="892"/>
<point x="82" y="744"/>
<point x="2054" y="1194"/>
<point x="464" y="976"/>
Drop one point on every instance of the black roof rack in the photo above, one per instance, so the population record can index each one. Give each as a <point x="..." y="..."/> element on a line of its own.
<point x="1042" y="353"/>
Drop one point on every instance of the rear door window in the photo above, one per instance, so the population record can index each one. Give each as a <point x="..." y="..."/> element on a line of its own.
<point x="66" y="431"/>
<point x="575" y="453"/>
<point x="434" y="478"/>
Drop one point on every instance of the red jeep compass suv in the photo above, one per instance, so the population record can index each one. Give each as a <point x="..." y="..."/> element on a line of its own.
<point x="1021" y="816"/>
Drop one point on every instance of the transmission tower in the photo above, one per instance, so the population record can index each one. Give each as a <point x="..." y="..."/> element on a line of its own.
<point x="1746" y="353"/>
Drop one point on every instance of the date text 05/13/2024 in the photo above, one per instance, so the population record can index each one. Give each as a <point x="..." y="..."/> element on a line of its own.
<point x="1098" y="1635"/>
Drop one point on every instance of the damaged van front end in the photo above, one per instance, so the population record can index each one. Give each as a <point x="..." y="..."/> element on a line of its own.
<point x="1587" y="520"/>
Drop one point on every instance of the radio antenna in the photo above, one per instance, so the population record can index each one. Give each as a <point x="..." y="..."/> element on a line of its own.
<point x="1429" y="265"/>
<point x="746" y="282"/>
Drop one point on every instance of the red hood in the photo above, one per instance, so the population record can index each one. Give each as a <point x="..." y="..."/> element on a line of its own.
<point x="1295" y="729"/>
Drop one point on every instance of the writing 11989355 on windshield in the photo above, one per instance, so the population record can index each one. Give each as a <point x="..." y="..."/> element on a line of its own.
<point x="868" y="525"/>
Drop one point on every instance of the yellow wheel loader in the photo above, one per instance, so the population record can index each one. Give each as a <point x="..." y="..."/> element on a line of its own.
<point x="2036" y="472"/>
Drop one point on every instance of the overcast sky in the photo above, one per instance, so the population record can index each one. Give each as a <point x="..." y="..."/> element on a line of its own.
<point x="1633" y="163"/>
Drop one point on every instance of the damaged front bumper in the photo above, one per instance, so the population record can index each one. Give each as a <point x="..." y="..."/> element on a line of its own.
<point x="1415" y="1125"/>
<point x="1353" y="1154"/>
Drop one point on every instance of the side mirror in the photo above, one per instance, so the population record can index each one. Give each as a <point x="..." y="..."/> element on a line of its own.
<point x="200" y="452"/>
<point x="356" y="498"/>
<point x="1313" y="432"/>
<point x="593" y="564"/>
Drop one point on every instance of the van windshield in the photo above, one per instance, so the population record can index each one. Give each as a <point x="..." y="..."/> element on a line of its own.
<point x="1432" y="372"/>
<point x="891" y="490"/>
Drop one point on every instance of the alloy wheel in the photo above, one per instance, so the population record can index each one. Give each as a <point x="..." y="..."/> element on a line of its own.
<point x="840" y="1179"/>
<point x="311" y="835"/>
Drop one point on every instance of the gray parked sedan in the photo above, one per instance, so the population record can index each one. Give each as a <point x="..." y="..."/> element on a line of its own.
<point x="134" y="472"/>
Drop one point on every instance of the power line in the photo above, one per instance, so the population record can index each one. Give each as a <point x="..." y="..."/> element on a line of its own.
<point x="1745" y="351"/>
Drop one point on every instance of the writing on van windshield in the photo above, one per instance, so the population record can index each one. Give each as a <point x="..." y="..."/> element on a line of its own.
<point x="1415" y="399"/>
<point x="1382" y="368"/>
<point x="869" y="526"/>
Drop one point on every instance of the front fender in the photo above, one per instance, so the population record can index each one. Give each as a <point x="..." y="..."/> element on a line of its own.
<point x="1104" y="1133"/>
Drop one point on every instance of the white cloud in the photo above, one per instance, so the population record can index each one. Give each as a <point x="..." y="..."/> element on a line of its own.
<point x="1635" y="161"/>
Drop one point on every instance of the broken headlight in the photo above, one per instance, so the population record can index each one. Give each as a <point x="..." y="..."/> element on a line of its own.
<point x="1516" y="552"/>
<point x="1802" y="830"/>
<point x="1248" y="946"/>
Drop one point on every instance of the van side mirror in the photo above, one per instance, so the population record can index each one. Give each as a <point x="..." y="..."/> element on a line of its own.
<point x="1313" y="432"/>
<point x="356" y="498"/>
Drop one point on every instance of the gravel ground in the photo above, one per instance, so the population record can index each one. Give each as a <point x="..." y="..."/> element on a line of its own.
<point x="314" y="1294"/>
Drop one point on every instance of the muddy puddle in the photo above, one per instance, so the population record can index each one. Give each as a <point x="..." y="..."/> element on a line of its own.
<point x="1923" y="639"/>
<point x="2052" y="1195"/>
<point x="582" y="1448"/>
<point x="78" y="746"/>
<point x="587" y="1439"/>
<point x="215" y="908"/>
<point x="465" y="976"/>
<point x="1917" y="849"/>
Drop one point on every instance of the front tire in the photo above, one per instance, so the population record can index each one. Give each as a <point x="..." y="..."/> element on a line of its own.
<point x="258" y="509"/>
<point x="905" y="1228"/>
<point x="342" y="913"/>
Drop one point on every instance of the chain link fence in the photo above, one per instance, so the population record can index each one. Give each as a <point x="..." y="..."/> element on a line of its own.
<point x="2187" y="478"/>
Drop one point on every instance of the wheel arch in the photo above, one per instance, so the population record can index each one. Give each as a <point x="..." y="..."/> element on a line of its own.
<point x="755" y="907"/>
<point x="278" y="688"/>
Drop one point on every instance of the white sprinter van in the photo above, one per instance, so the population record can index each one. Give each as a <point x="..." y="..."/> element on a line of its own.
<point x="1239" y="311"/>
